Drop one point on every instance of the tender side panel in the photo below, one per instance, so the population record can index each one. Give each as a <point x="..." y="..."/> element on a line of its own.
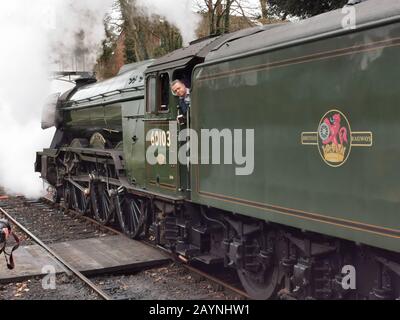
<point x="284" y="95"/>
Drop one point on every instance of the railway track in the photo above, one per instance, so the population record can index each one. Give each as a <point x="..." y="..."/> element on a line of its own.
<point x="85" y="227"/>
<point x="200" y="273"/>
<point x="56" y="256"/>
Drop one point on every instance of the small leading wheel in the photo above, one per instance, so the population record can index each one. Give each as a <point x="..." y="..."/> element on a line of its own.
<point x="132" y="214"/>
<point x="101" y="203"/>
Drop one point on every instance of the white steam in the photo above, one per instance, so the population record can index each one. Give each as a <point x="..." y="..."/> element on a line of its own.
<point x="78" y="32"/>
<point x="34" y="34"/>
<point x="178" y="13"/>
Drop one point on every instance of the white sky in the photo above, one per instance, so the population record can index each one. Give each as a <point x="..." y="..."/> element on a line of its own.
<point x="254" y="5"/>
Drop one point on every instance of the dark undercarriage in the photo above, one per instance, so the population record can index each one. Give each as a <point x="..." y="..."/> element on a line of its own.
<point x="273" y="261"/>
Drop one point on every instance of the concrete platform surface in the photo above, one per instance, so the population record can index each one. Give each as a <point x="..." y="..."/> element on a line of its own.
<point x="90" y="256"/>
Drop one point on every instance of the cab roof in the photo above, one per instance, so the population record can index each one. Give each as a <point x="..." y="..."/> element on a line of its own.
<point x="182" y="57"/>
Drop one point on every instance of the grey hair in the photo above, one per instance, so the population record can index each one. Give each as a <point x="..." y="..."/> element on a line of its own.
<point x="175" y="82"/>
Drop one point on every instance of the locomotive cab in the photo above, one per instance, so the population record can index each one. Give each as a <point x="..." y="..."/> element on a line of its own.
<point x="164" y="173"/>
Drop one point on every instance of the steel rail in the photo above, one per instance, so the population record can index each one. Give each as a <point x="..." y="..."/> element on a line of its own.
<point x="56" y="256"/>
<point x="217" y="281"/>
<point x="76" y="215"/>
<point x="192" y="269"/>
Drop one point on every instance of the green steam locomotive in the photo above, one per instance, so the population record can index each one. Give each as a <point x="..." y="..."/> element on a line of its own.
<point x="285" y="170"/>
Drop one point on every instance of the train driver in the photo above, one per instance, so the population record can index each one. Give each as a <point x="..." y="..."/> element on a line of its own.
<point x="179" y="89"/>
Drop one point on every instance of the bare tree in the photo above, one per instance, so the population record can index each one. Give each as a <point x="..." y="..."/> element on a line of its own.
<point x="146" y="37"/>
<point x="218" y="13"/>
<point x="248" y="12"/>
<point x="264" y="9"/>
<point x="134" y="36"/>
<point x="134" y="27"/>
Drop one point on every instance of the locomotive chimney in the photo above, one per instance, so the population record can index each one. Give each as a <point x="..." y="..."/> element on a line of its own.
<point x="85" y="80"/>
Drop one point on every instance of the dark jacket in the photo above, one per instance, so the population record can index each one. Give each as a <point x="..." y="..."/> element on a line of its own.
<point x="184" y="103"/>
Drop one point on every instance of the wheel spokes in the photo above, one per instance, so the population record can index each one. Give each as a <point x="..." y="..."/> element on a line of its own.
<point x="77" y="200"/>
<point x="67" y="196"/>
<point x="132" y="215"/>
<point x="101" y="203"/>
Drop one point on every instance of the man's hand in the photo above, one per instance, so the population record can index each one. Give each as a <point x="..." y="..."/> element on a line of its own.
<point x="6" y="233"/>
<point x="181" y="120"/>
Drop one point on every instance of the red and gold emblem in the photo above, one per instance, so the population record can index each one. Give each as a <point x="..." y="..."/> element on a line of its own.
<point x="335" y="139"/>
<point x="334" y="134"/>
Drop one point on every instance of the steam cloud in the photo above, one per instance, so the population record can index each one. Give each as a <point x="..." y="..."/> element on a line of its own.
<point x="178" y="13"/>
<point x="50" y="35"/>
<point x="34" y="34"/>
<point x="78" y="32"/>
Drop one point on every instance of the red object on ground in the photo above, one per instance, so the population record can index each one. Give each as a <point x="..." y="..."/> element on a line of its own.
<point x="3" y="197"/>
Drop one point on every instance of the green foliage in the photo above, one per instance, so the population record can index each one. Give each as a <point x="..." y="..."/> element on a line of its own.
<point x="146" y="37"/>
<point x="109" y="41"/>
<point x="130" y="54"/>
<point x="108" y="47"/>
<point x="302" y="8"/>
<point x="170" y="40"/>
<point x="133" y="36"/>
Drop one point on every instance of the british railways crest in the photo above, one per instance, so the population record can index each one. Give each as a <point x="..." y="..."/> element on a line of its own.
<point x="335" y="139"/>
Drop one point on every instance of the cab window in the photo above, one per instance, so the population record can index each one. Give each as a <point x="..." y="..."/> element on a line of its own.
<point x="151" y="95"/>
<point x="165" y="91"/>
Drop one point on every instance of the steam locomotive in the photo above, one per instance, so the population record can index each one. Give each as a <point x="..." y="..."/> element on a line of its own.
<point x="316" y="215"/>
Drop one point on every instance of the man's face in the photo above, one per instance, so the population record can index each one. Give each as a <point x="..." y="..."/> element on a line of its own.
<point x="179" y="89"/>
